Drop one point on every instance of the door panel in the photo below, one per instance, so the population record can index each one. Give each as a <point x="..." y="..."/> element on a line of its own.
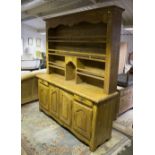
<point x="44" y="96"/>
<point x="65" y="107"/>
<point x="54" y="101"/>
<point x="82" y="119"/>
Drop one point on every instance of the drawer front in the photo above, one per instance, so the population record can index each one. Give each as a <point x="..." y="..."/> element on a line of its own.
<point x="82" y="119"/>
<point x="83" y="100"/>
<point x="43" y="82"/>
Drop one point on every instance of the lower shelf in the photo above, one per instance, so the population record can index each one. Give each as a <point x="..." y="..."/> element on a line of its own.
<point x="91" y="76"/>
<point x="80" y="54"/>
<point x="55" y="66"/>
<point x="92" y="71"/>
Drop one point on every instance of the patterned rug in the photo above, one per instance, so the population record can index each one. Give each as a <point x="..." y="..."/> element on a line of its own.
<point x="41" y="135"/>
<point x="124" y="123"/>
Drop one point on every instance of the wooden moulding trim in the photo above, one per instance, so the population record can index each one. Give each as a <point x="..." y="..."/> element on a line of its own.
<point x="72" y="22"/>
<point x="96" y="15"/>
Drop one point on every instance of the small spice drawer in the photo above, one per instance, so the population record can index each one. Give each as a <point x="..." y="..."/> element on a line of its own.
<point x="43" y="82"/>
<point x="83" y="100"/>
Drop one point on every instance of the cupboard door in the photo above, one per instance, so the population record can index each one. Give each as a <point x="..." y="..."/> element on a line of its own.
<point x="82" y="119"/>
<point x="65" y="107"/>
<point x="44" y="96"/>
<point x="54" y="101"/>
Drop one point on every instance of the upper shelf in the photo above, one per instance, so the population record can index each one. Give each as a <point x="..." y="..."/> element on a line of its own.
<point x="78" y="39"/>
<point x="84" y="55"/>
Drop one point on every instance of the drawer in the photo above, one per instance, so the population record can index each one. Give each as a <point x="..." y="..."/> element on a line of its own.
<point x="43" y="82"/>
<point x="83" y="100"/>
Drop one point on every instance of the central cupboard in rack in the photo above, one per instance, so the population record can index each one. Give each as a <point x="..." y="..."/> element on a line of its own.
<point x="79" y="89"/>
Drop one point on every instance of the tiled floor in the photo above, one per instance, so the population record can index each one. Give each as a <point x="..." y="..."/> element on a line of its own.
<point x="128" y="150"/>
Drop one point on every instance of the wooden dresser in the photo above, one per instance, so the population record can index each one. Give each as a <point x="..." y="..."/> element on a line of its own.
<point x="79" y="90"/>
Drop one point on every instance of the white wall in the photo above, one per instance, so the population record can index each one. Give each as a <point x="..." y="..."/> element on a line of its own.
<point x="27" y="32"/>
<point x="128" y="38"/>
<point x="126" y="47"/>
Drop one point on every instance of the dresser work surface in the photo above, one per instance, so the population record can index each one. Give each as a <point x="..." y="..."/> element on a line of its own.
<point x="83" y="90"/>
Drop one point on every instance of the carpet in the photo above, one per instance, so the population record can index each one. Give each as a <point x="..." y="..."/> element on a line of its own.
<point x="124" y="123"/>
<point x="41" y="135"/>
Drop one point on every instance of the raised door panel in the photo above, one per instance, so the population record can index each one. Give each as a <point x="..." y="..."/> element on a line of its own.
<point x="82" y="119"/>
<point x="54" y="101"/>
<point x="65" y="107"/>
<point x="44" y="96"/>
